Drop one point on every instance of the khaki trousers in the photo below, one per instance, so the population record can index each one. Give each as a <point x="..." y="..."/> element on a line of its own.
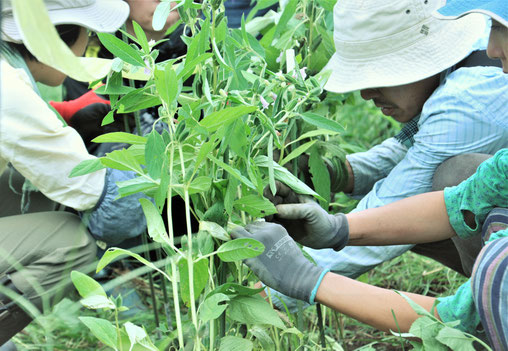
<point x="37" y="253"/>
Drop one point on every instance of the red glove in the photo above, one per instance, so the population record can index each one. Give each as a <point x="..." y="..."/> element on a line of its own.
<point x="68" y="109"/>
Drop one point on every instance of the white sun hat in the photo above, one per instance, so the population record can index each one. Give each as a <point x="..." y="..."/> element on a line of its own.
<point x="395" y="42"/>
<point x="97" y="15"/>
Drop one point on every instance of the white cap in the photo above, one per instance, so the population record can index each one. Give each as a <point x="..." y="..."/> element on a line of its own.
<point x="100" y="16"/>
<point x="395" y="42"/>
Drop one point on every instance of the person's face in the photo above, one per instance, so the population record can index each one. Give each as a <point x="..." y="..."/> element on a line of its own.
<point x="402" y="102"/>
<point x="51" y="76"/>
<point x="498" y="44"/>
<point x="142" y="12"/>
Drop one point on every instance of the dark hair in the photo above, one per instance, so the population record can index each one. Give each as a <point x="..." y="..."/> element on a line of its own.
<point x="68" y="32"/>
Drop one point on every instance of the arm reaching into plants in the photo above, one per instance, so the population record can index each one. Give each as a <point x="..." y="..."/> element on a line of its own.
<point x="282" y="266"/>
<point x="419" y="219"/>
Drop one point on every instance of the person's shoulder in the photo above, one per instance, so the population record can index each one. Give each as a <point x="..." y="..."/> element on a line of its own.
<point x="13" y="76"/>
<point x="477" y="80"/>
<point x="469" y="91"/>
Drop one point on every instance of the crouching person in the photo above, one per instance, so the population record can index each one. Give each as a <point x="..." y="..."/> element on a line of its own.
<point x="39" y="250"/>
<point x="461" y="210"/>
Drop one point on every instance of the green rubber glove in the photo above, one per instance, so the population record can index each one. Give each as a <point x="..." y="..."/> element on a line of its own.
<point x="282" y="265"/>
<point x="310" y="225"/>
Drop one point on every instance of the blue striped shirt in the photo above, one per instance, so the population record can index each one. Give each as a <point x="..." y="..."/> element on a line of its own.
<point x="467" y="113"/>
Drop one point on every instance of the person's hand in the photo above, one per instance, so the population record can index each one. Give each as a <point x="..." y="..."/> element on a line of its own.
<point x="312" y="226"/>
<point x="306" y="221"/>
<point x="282" y="265"/>
<point x="84" y="114"/>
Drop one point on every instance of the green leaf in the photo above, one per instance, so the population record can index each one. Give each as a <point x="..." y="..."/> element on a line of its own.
<point x="108" y="119"/>
<point x="137" y="100"/>
<point x="135" y="185"/>
<point x="120" y="137"/>
<point x="213" y="306"/>
<point x="255" y="205"/>
<point x="155" y="154"/>
<point x="297" y="152"/>
<point x="102" y="329"/>
<point x="327" y="4"/>
<point x="455" y="339"/>
<point x="155" y="224"/>
<point x="320" y="177"/>
<point x="230" y="195"/>
<point x="215" y="230"/>
<point x="240" y="249"/>
<point x="160" y="15"/>
<point x="167" y="84"/>
<point x="287" y="14"/>
<point x="115" y="252"/>
<point x="95" y="302"/>
<point x="86" y="167"/>
<point x="200" y="278"/>
<point x="235" y="343"/>
<point x="121" y="49"/>
<point x="200" y="185"/>
<point x="286" y="177"/>
<point x="141" y="36"/>
<point x="253" y="310"/>
<point x="191" y="66"/>
<point x="122" y="160"/>
<point x="267" y="344"/>
<point x="427" y="329"/>
<point x="221" y="118"/>
<point x="233" y="289"/>
<point x="322" y="122"/>
<point x="43" y="41"/>
<point x="314" y="133"/>
<point x="271" y="177"/>
<point x="233" y="171"/>
<point x="86" y="285"/>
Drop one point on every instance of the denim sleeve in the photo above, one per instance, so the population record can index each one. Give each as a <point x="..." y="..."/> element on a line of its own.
<point x="116" y="219"/>
<point x="374" y="164"/>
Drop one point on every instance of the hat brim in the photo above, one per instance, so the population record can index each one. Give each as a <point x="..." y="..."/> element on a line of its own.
<point x="457" y="9"/>
<point x="425" y="58"/>
<point x="105" y="16"/>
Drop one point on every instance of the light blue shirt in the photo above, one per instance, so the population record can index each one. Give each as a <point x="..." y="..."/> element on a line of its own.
<point x="467" y="113"/>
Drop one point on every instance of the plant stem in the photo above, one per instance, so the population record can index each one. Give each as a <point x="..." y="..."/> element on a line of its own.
<point x="190" y="262"/>
<point x="174" y="282"/>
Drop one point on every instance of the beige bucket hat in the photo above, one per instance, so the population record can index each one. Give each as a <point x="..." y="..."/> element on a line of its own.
<point x="395" y="42"/>
<point x="97" y="15"/>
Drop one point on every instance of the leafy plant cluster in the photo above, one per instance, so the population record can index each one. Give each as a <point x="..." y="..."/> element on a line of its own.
<point x="240" y="107"/>
<point x="231" y="104"/>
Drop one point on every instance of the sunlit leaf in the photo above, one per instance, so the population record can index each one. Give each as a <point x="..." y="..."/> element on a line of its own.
<point x="240" y="249"/>
<point x="213" y="307"/>
<point x="253" y="310"/>
<point x="102" y="329"/>
<point x="235" y="343"/>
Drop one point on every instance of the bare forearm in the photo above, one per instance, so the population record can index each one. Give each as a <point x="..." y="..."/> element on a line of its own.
<point x="370" y="304"/>
<point x="418" y="219"/>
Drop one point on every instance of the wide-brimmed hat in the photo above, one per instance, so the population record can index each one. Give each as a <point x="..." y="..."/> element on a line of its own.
<point x="395" y="42"/>
<point x="97" y="15"/>
<point x="497" y="9"/>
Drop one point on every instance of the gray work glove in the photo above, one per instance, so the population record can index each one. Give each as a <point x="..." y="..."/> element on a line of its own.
<point x="312" y="226"/>
<point x="282" y="265"/>
<point x="306" y="222"/>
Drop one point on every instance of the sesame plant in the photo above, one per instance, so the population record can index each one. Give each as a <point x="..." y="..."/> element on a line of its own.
<point x="240" y="108"/>
<point x="230" y="104"/>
